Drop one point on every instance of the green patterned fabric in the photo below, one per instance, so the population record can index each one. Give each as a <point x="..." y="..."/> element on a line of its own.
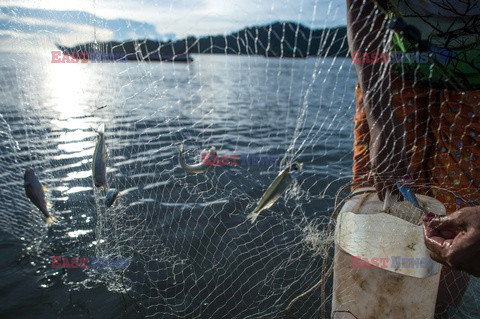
<point x="454" y="34"/>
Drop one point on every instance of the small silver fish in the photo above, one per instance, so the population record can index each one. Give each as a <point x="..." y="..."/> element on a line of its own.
<point x="276" y="189"/>
<point x="111" y="196"/>
<point x="99" y="162"/>
<point x="35" y="192"/>
<point x="197" y="168"/>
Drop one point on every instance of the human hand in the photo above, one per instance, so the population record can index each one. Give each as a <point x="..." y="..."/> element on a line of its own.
<point x="454" y="240"/>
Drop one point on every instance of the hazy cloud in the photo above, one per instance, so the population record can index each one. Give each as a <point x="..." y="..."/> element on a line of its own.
<point x="73" y="22"/>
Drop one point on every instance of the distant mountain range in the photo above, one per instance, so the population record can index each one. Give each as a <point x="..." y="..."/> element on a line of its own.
<point x="279" y="39"/>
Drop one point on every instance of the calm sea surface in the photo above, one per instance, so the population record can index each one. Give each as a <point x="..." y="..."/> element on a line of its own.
<point x="191" y="253"/>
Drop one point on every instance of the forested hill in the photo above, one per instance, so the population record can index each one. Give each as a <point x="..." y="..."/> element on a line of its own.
<point x="279" y="39"/>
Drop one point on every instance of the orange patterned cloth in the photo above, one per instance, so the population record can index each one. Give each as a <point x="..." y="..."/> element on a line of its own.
<point x="442" y="139"/>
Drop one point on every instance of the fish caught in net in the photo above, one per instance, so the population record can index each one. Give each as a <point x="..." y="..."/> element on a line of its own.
<point x="161" y="130"/>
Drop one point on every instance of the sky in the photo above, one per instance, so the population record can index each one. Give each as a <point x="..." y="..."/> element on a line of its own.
<point x="27" y="24"/>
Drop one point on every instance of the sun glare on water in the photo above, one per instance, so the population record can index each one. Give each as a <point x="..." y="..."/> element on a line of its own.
<point x="68" y="87"/>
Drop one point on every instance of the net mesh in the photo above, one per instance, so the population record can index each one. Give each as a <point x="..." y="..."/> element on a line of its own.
<point x="190" y="251"/>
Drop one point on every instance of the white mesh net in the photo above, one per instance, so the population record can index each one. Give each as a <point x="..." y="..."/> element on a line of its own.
<point x="188" y="248"/>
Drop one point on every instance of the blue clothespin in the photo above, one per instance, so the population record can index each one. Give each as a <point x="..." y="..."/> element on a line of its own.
<point x="409" y="195"/>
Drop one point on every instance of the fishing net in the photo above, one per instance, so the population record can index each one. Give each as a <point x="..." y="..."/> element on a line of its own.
<point x="269" y="80"/>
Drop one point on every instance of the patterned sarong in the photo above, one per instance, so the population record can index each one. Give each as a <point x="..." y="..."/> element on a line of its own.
<point x="442" y="141"/>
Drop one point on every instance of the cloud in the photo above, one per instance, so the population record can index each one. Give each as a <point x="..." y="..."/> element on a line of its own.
<point x="73" y="22"/>
<point x="69" y="27"/>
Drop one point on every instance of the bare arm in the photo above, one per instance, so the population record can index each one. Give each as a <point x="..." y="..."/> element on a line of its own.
<point x="367" y="32"/>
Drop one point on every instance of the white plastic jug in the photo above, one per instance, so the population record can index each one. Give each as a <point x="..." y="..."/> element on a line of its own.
<point x="405" y="281"/>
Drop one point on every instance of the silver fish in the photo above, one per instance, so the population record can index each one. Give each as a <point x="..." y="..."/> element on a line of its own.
<point x="276" y="189"/>
<point x="197" y="168"/>
<point x="35" y="192"/>
<point x="99" y="162"/>
<point x="111" y="196"/>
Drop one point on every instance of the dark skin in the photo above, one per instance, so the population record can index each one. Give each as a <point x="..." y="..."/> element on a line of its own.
<point x="454" y="240"/>
<point x="366" y="27"/>
<point x="366" y="33"/>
